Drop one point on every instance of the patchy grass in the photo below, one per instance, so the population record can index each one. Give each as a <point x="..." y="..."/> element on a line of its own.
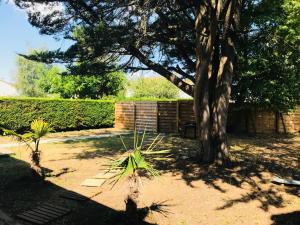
<point x="186" y="193"/>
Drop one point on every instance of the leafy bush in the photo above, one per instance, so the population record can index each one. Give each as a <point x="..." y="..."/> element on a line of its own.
<point x="153" y="87"/>
<point x="18" y="113"/>
<point x="39" y="129"/>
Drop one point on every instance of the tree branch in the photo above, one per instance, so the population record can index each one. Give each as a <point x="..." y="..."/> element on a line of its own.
<point x="162" y="71"/>
<point x="178" y="70"/>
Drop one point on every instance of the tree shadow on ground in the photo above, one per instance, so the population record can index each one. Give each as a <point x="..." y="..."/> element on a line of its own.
<point x="101" y="147"/>
<point x="19" y="192"/>
<point x="255" y="160"/>
<point x="292" y="218"/>
<point x="104" y="147"/>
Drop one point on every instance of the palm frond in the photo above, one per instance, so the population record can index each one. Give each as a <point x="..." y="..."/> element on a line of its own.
<point x="135" y="159"/>
<point x="156" y="152"/>
<point x="125" y="147"/>
<point x="143" y="138"/>
<point x="40" y="128"/>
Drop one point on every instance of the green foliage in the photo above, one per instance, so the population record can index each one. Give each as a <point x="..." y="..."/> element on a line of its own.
<point x="135" y="160"/>
<point x="269" y="66"/>
<point x="82" y="87"/>
<point x="76" y="86"/>
<point x="39" y="128"/>
<point x="17" y="114"/>
<point x="153" y="87"/>
<point x="39" y="79"/>
<point x="29" y="74"/>
<point x="267" y="43"/>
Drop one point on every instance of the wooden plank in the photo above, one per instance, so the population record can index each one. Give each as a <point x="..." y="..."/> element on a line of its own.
<point x="44" y="213"/>
<point x="38" y="216"/>
<point x="29" y="219"/>
<point x="47" y="210"/>
<point x="51" y="209"/>
<point x="134" y="115"/>
<point x="167" y="113"/>
<point x="58" y="207"/>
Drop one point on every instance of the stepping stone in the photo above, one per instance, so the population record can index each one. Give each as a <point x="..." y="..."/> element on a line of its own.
<point x="105" y="175"/>
<point x="44" y="213"/>
<point x="74" y="196"/>
<point x="93" y="182"/>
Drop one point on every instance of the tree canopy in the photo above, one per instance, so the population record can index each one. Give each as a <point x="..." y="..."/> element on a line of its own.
<point x="197" y="45"/>
<point x="153" y="87"/>
<point x="28" y="75"/>
<point x="105" y="30"/>
<point x="92" y="86"/>
<point x="159" y="36"/>
<point x="269" y="56"/>
<point x="35" y="79"/>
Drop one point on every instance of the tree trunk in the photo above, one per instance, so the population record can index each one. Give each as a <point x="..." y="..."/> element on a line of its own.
<point x="35" y="162"/>
<point x="202" y="110"/>
<point x="132" y="199"/>
<point x="221" y="104"/>
<point x="206" y="22"/>
<point x="213" y="88"/>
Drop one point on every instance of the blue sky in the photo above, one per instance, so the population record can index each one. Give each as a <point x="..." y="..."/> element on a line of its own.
<point x="17" y="36"/>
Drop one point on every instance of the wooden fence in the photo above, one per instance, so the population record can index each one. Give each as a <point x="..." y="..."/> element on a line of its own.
<point x="170" y="117"/>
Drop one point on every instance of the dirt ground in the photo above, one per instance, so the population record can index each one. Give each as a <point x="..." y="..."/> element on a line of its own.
<point x="186" y="194"/>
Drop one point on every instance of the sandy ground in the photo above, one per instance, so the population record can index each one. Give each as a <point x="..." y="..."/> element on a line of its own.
<point x="186" y="193"/>
<point x="68" y="134"/>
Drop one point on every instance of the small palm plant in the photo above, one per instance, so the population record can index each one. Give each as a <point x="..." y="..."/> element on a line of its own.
<point x="132" y="166"/>
<point x="39" y="129"/>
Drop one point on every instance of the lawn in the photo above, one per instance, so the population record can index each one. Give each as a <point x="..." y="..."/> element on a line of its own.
<point x="186" y="193"/>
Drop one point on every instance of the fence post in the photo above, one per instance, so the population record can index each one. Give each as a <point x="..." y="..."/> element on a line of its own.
<point x="177" y="116"/>
<point x="157" y="117"/>
<point x="134" y="116"/>
<point x="276" y="122"/>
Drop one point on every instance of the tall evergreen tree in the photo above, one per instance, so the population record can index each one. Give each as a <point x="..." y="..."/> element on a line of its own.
<point x="192" y="43"/>
<point x="177" y="39"/>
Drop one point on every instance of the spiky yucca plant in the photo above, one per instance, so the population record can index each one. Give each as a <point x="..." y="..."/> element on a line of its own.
<point x="131" y="165"/>
<point x="39" y="128"/>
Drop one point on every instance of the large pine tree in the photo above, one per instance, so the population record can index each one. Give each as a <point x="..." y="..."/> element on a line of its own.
<point x="179" y="39"/>
<point x="192" y="43"/>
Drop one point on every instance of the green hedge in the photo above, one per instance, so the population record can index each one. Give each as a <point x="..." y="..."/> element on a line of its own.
<point x="17" y="113"/>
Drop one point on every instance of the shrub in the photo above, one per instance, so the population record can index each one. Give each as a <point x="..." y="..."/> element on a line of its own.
<point x="39" y="129"/>
<point x="18" y="113"/>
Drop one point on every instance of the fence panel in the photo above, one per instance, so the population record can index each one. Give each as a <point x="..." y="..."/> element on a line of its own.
<point x="171" y="116"/>
<point x="125" y="115"/>
<point x="167" y="117"/>
<point x="146" y="116"/>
